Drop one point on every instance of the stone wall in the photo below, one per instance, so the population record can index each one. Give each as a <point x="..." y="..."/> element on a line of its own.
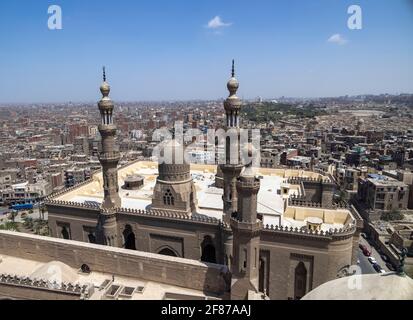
<point x="323" y="256"/>
<point x="146" y="226"/>
<point x="145" y="266"/>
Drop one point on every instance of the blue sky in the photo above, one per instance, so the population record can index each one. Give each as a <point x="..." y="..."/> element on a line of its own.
<point x="163" y="49"/>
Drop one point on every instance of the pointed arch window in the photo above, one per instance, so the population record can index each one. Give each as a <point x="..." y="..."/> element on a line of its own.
<point x="168" y="198"/>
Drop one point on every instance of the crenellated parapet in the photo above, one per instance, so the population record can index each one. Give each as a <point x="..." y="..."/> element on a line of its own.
<point x="173" y="215"/>
<point x="333" y="234"/>
<point x="67" y="288"/>
<point x="299" y="180"/>
<point x="301" y="202"/>
<point x="71" y="204"/>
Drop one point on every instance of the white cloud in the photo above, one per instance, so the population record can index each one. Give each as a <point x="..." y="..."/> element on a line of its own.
<point x="337" y="39"/>
<point x="217" y="23"/>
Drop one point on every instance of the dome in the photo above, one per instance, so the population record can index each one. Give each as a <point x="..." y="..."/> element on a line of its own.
<point x="233" y="85"/>
<point x="105" y="89"/>
<point x="389" y="286"/>
<point x="55" y="271"/>
<point x="174" y="167"/>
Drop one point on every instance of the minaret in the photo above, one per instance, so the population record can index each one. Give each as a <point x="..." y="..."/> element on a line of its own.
<point x="246" y="228"/>
<point x="233" y="167"/>
<point x="110" y="156"/>
<point x="107" y="228"/>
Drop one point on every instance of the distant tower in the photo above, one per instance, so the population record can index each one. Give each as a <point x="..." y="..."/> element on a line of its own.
<point x="175" y="188"/>
<point x="312" y="162"/>
<point x="110" y="156"/>
<point x="231" y="170"/>
<point x="246" y="228"/>
<point x="360" y="126"/>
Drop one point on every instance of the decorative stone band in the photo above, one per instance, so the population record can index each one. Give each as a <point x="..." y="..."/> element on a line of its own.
<point x="298" y="180"/>
<point x="174" y="182"/>
<point x="247" y="227"/>
<point x="173" y="215"/>
<point x="67" y="288"/>
<point x="299" y="202"/>
<point x="143" y="213"/>
<point x="70" y="204"/>
<point x="253" y="185"/>
<point x="108" y="156"/>
<point x="335" y="234"/>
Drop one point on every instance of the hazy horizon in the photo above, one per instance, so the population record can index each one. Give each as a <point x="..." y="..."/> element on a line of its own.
<point x="181" y="51"/>
<point x="204" y="100"/>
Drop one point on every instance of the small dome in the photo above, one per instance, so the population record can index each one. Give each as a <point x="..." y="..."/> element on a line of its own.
<point x="233" y="85"/>
<point x="105" y="89"/>
<point x="389" y="286"/>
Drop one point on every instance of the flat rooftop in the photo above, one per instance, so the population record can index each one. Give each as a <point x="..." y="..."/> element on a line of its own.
<point x="385" y="181"/>
<point x="102" y="282"/>
<point x="270" y="199"/>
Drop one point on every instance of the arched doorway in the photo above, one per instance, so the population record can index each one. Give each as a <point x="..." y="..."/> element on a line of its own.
<point x="208" y="254"/>
<point x="208" y="251"/>
<point x="129" y="238"/>
<point x="262" y="275"/>
<point x="167" y="252"/>
<point x="300" y="286"/>
<point x="65" y="234"/>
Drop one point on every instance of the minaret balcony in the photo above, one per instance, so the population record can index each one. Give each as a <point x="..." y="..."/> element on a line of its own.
<point x="244" y="226"/>
<point x="107" y="129"/>
<point x="109" y="156"/>
<point x="249" y="185"/>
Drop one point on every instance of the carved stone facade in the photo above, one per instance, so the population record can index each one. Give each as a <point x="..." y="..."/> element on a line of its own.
<point x="175" y="189"/>
<point x="282" y="262"/>
<point x="166" y="232"/>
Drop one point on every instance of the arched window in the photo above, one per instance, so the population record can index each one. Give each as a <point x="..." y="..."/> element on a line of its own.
<point x="129" y="238"/>
<point x="208" y="251"/>
<point x="167" y="252"/>
<point x="228" y="150"/>
<point x="65" y="233"/>
<point x="92" y="238"/>
<point x="168" y="198"/>
<point x="300" y="286"/>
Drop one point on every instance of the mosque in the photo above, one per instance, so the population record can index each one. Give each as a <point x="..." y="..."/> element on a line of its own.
<point x="226" y="232"/>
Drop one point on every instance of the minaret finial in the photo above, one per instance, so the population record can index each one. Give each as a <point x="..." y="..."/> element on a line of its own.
<point x="104" y="74"/>
<point x="233" y="68"/>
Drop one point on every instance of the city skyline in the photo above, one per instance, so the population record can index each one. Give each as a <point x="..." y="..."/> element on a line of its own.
<point x="161" y="51"/>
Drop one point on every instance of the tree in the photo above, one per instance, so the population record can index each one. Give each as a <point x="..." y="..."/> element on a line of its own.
<point x="9" y="226"/>
<point x="13" y="215"/>
<point x="394" y="215"/>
